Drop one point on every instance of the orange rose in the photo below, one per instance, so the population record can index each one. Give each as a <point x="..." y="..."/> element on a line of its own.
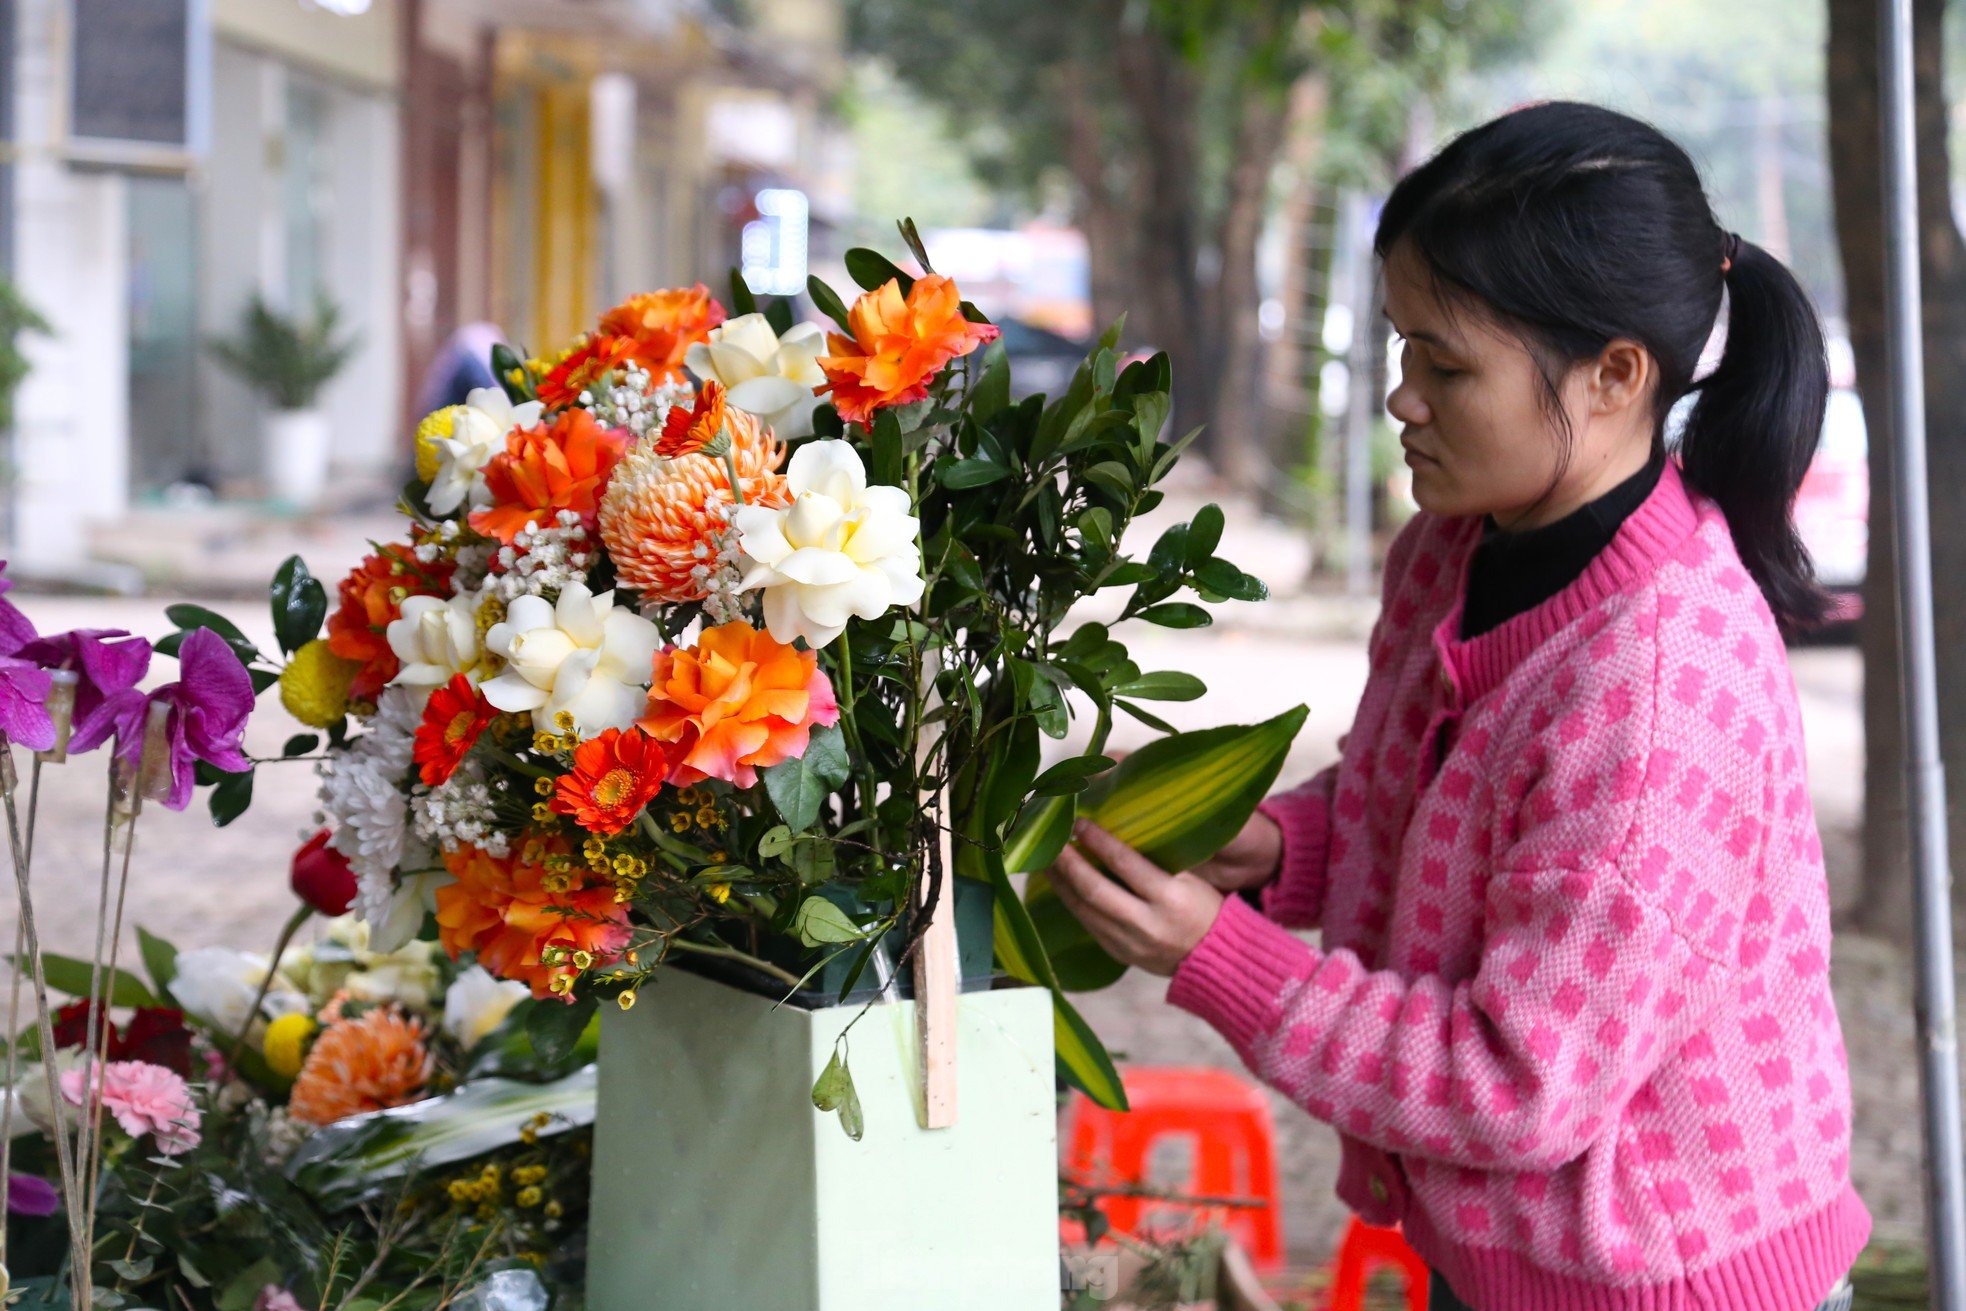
<point x="664" y="325"/>
<point x="898" y="346"/>
<point x="591" y="360"/>
<point x="562" y="464"/>
<point x="737" y="702"/>
<point x="501" y="909"/>
<point x="371" y="598"/>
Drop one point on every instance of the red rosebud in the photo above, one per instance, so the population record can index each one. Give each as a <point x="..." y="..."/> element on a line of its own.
<point x="322" y="877"/>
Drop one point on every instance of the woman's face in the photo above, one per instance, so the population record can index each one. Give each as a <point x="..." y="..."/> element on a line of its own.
<point x="1476" y="424"/>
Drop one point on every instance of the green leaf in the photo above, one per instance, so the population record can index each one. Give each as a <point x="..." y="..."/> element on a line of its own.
<point x="779" y="315"/>
<point x="300" y="744"/>
<point x="1112" y="477"/>
<point x="872" y="270"/>
<point x="69" y="976"/>
<point x="187" y="617"/>
<point x="1204" y="535"/>
<point x="159" y="960"/>
<point x="1170" y="685"/>
<point x="799" y="787"/>
<point x="1145" y="716"/>
<point x="554" y="1027"/>
<point x="1177" y="614"/>
<point x="959" y="474"/>
<point x="1082" y="1059"/>
<point x="1041" y="831"/>
<point x="1080" y="963"/>
<point x="833" y="1090"/>
<point x="300" y="604"/>
<point x="741" y="299"/>
<point x="1070" y="775"/>
<point x="819" y="922"/>
<point x="505" y="362"/>
<point x="776" y="841"/>
<point x="990" y="395"/>
<point x="231" y="797"/>
<point x="1225" y="580"/>
<point x="828" y="303"/>
<point x="361" y="1157"/>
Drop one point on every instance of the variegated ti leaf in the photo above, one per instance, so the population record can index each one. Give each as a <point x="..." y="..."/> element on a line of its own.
<point x="356" y="1158"/>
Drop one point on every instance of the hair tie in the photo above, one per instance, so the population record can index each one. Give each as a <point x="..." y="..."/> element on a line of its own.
<point x="1730" y="246"/>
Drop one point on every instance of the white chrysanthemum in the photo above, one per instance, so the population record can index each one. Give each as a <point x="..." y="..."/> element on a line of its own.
<point x="477" y="433"/>
<point x="435" y="639"/>
<point x="584" y="655"/>
<point x="363" y="800"/>
<point x="763" y="373"/>
<point x="841" y="549"/>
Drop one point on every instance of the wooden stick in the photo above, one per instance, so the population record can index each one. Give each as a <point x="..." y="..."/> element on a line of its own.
<point x="935" y="955"/>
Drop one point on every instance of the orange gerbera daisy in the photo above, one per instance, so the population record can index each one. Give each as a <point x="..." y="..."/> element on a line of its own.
<point x="591" y="359"/>
<point x="664" y="325"/>
<point x="500" y="908"/>
<point x="614" y="776"/>
<point x="452" y="720"/>
<point x="735" y="703"/>
<point x="899" y="344"/>
<point x="659" y="514"/>
<point x="688" y="431"/>
<point x="369" y="1063"/>
<point x="562" y="464"/>
<point x="371" y="598"/>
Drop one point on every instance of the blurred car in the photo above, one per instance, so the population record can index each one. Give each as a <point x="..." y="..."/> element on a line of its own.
<point x="1040" y="360"/>
<point x="1832" y="509"/>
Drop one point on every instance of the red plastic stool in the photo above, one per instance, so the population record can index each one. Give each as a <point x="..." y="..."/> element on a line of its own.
<point x="1367" y="1248"/>
<point x="1191" y="1130"/>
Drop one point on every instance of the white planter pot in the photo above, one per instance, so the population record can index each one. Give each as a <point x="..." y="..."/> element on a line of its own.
<point x="297" y="447"/>
<point x="718" y="1186"/>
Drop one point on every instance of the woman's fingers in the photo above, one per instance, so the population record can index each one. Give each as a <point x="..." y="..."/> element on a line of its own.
<point x="1101" y="905"/>
<point x="1147" y="879"/>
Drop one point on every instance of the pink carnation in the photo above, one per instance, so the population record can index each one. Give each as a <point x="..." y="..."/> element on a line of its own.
<point x="144" y="1098"/>
<point x="275" y="1298"/>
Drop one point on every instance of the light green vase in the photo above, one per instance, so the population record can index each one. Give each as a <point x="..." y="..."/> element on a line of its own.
<point x="719" y="1187"/>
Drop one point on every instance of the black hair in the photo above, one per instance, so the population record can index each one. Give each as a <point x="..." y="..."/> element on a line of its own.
<point x="1573" y="226"/>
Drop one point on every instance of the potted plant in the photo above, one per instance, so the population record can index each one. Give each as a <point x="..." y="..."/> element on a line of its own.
<point x="287" y="359"/>
<point x="719" y="741"/>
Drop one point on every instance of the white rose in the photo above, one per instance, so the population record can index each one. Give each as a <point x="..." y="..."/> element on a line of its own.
<point x="216" y="986"/>
<point x="585" y="655"/>
<point x="763" y="373"/>
<point x="477" y="1003"/>
<point x="477" y="433"/>
<point x="435" y="639"/>
<point x="840" y="549"/>
<point x="399" y="921"/>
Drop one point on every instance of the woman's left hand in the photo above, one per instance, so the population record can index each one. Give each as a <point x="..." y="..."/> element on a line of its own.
<point x="1144" y="916"/>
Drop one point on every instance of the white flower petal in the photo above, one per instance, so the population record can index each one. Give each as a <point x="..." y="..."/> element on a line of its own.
<point x="765" y="395"/>
<point x="814" y="567"/>
<point x="812" y="520"/>
<point x="509" y="692"/>
<point x="628" y="647"/>
<point x="731" y="364"/>
<point x="873" y="537"/>
<point x="831" y="468"/>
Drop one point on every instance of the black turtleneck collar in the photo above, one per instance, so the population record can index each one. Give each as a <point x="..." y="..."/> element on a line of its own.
<point x="1514" y="572"/>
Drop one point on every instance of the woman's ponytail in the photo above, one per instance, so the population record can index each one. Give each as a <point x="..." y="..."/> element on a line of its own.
<point x="1754" y="427"/>
<point x="1577" y="226"/>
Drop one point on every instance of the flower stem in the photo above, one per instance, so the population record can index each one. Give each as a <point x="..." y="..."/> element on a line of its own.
<point x="287" y="932"/>
<point x="736" y="483"/>
<point x="705" y="949"/>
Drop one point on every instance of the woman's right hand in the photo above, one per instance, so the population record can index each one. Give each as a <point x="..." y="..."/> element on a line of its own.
<point x="1251" y="858"/>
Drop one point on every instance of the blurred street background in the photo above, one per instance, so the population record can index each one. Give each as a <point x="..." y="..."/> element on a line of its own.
<point x="393" y="184"/>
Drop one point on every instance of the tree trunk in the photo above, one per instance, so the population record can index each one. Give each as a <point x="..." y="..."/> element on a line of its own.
<point x="1884" y="904"/>
<point x="1101" y="213"/>
<point x="1234" y="345"/>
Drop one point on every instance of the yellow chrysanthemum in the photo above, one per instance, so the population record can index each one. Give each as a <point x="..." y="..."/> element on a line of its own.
<point x="285" y="1044"/>
<point x="435" y="426"/>
<point x="314" y="685"/>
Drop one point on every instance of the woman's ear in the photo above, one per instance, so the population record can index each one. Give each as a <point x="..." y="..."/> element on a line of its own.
<point x="1621" y="377"/>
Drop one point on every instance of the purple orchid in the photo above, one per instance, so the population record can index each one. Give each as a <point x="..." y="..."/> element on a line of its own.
<point x="209" y="705"/>
<point x="110" y="663"/>
<point x="16" y="629"/>
<point x="24" y="717"/>
<point x="29" y="1194"/>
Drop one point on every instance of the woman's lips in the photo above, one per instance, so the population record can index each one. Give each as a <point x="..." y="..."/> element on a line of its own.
<point x="1414" y="457"/>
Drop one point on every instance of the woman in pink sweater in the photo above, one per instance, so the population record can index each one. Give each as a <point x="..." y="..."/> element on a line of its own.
<point x="1570" y="1012"/>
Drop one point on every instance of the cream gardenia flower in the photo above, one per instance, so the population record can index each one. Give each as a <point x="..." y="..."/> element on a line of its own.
<point x="586" y="656"/>
<point x="763" y="373"/>
<point x="435" y="639"/>
<point x="476" y="1003"/>
<point x="217" y="984"/>
<point x="840" y="549"/>
<point x="477" y="433"/>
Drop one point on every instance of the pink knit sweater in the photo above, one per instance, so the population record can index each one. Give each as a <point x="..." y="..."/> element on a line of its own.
<point x="1571" y="1015"/>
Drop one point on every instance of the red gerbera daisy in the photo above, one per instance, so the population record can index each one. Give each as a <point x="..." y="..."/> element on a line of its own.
<point x="690" y="429"/>
<point x="614" y="776"/>
<point x="456" y="714"/>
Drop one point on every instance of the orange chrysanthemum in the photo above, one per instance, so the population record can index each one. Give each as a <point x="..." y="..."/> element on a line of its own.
<point x="688" y="431"/>
<point x="375" y="1061"/>
<point x="614" y="776"/>
<point x="560" y="465"/>
<point x="371" y="598"/>
<point x="659" y="514"/>
<point x="899" y="344"/>
<point x="664" y="325"/>
<point x="501" y="908"/>
<point x="735" y="703"/>
<point x="591" y="359"/>
<point x="452" y="720"/>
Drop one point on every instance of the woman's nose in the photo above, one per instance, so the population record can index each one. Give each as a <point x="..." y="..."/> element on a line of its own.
<point x="1406" y="405"/>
